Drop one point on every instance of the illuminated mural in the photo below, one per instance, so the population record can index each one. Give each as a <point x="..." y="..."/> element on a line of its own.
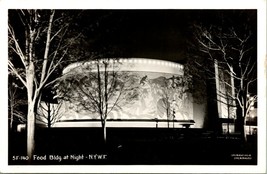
<point x="159" y="87"/>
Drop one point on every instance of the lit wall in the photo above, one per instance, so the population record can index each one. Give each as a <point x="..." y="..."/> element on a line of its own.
<point x="158" y="81"/>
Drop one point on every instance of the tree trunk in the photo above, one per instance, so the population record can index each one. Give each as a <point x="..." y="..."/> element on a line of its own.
<point x="167" y="112"/>
<point x="240" y="123"/>
<point x="105" y="133"/>
<point x="31" y="109"/>
<point x="11" y="116"/>
<point x="243" y="130"/>
<point x="105" y="102"/>
<point x="243" y="134"/>
<point x="241" y="117"/>
<point x="48" y="115"/>
<point x="30" y="130"/>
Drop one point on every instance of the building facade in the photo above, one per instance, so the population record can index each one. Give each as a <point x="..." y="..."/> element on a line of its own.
<point x="161" y="98"/>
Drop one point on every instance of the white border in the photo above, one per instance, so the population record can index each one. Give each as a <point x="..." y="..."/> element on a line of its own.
<point x="138" y="4"/>
<point x="135" y="4"/>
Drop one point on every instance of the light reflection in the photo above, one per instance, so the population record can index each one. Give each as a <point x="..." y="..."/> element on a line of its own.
<point x="142" y="61"/>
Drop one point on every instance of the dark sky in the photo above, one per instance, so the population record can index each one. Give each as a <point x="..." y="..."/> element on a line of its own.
<point x="141" y="33"/>
<point x="161" y="34"/>
<point x="157" y="34"/>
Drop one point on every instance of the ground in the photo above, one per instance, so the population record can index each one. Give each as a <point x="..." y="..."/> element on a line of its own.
<point x="128" y="146"/>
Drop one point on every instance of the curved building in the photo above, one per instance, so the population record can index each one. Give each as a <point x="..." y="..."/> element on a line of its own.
<point x="156" y="95"/>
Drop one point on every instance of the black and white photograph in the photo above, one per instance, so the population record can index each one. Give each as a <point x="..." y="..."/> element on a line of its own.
<point x="119" y="87"/>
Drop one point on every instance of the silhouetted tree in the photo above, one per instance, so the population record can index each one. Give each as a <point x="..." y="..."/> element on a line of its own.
<point x="227" y="54"/>
<point x="16" y="103"/>
<point x="98" y="87"/>
<point x="49" y="111"/>
<point x="38" y="46"/>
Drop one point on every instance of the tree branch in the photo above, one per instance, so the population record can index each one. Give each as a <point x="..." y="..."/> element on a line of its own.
<point x="12" y="68"/>
<point x="47" y="46"/>
<point x="18" y="50"/>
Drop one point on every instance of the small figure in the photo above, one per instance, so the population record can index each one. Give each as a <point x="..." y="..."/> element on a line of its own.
<point x="142" y="81"/>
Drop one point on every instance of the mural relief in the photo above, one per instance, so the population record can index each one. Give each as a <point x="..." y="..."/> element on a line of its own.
<point x="160" y="96"/>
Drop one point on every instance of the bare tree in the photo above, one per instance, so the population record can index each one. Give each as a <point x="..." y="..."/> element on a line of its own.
<point x="50" y="108"/>
<point x="15" y="102"/>
<point x="175" y="85"/>
<point x="37" y="39"/>
<point x="49" y="113"/>
<point x="165" y="100"/>
<point x="231" y="60"/>
<point x="99" y="87"/>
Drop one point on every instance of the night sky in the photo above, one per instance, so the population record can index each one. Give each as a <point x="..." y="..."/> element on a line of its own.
<point x="155" y="34"/>
<point x="160" y="34"/>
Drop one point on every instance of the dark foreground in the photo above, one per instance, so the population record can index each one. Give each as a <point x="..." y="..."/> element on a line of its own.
<point x="139" y="146"/>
